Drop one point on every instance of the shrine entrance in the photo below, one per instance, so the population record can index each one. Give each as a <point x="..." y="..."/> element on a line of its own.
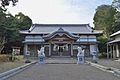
<point x="61" y="43"/>
<point x="61" y="50"/>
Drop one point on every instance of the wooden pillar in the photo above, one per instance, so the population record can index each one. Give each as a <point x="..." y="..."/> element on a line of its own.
<point x="35" y="51"/>
<point x="25" y="49"/>
<point x="49" y="49"/>
<point x="111" y="52"/>
<point x="97" y="50"/>
<point x="71" y="49"/>
<point x="117" y="51"/>
<point x="107" y="51"/>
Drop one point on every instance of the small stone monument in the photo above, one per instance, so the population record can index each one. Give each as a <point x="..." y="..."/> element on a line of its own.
<point x="41" y="56"/>
<point x="80" y="56"/>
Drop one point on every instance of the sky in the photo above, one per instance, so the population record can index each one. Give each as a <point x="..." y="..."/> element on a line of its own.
<point x="59" y="11"/>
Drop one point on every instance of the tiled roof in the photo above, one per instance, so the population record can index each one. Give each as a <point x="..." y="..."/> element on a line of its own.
<point x="59" y="31"/>
<point x="33" y="39"/>
<point x="50" y="28"/>
<point x="116" y="33"/>
<point x="114" y="41"/>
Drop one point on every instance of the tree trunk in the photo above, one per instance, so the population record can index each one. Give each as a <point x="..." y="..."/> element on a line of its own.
<point x="2" y="42"/>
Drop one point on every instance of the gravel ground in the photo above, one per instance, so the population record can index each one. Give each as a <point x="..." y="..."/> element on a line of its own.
<point x="63" y="72"/>
<point x="5" y="66"/>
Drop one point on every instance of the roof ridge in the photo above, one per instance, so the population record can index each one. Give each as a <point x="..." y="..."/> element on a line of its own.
<point x="31" y="28"/>
<point x="60" y="29"/>
<point x="116" y="33"/>
<point x="59" y="25"/>
<point x="89" y="28"/>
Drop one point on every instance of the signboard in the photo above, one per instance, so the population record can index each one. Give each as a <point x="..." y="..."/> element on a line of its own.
<point x="16" y="50"/>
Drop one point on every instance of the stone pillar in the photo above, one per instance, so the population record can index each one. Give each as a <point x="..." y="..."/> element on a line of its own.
<point x="49" y="49"/>
<point x="71" y="49"/>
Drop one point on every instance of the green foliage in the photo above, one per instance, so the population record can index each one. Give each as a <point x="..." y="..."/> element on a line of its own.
<point x="107" y="18"/>
<point x="104" y="19"/>
<point x="20" y="22"/>
<point x="10" y="26"/>
<point x="102" y="44"/>
<point x="102" y="55"/>
<point x="117" y="21"/>
<point x="116" y="4"/>
<point x="2" y="28"/>
<point x="5" y="3"/>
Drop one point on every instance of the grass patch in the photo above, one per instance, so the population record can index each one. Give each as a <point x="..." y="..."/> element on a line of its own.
<point x="4" y="58"/>
<point x="6" y="65"/>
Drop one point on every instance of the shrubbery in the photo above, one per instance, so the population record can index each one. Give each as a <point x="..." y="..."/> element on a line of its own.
<point x="102" y="55"/>
<point x="8" y="57"/>
<point x="4" y="58"/>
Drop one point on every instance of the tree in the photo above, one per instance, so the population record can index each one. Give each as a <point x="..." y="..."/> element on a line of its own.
<point x="5" y="3"/>
<point x="20" y="22"/>
<point x="104" y="19"/>
<point x="23" y="21"/>
<point x="117" y="21"/>
<point x="9" y="28"/>
<point x="116" y="4"/>
<point x="3" y="18"/>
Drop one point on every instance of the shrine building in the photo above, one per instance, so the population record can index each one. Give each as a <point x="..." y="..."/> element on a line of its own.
<point x="60" y="40"/>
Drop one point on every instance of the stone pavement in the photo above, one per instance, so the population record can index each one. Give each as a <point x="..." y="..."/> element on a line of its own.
<point x="61" y="61"/>
<point x="109" y="63"/>
<point x="63" y="72"/>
